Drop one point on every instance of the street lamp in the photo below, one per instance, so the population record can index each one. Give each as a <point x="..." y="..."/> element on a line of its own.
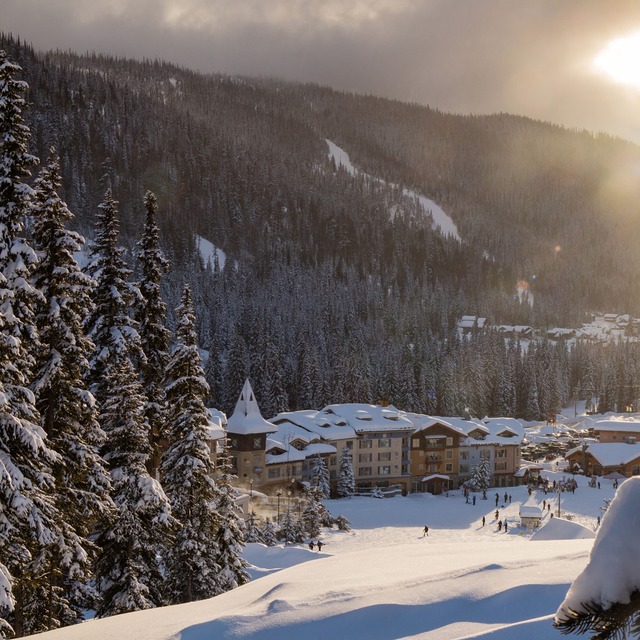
<point x="250" y="491"/>
<point x="289" y="501"/>
<point x="278" y="494"/>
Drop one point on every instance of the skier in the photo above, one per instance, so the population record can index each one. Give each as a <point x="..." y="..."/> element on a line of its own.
<point x="497" y="514"/>
<point x="474" y="501"/>
<point x="505" y="526"/>
<point x="311" y="545"/>
<point x="499" y="525"/>
<point x="497" y="499"/>
<point x="506" y="497"/>
<point x="426" y="531"/>
<point x="483" y="521"/>
<point x="319" y="545"/>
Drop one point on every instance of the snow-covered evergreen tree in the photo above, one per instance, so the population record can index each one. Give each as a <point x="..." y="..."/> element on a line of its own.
<point x="290" y="528"/>
<point x="481" y="475"/>
<point x="269" y="534"/>
<point x="29" y="522"/>
<point x="192" y="569"/>
<point x="252" y="531"/>
<point x="67" y="408"/>
<point x="152" y="315"/>
<point x="346" y="478"/>
<point x="313" y="514"/>
<point x="228" y="538"/>
<point x="320" y="475"/>
<point x="110" y="326"/>
<point x="128" y="570"/>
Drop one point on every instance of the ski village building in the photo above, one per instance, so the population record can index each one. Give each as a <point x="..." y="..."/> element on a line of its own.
<point x="617" y="449"/>
<point x="444" y="451"/>
<point x="390" y="449"/>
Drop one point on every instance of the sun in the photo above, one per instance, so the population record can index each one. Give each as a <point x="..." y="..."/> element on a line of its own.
<point x="620" y="60"/>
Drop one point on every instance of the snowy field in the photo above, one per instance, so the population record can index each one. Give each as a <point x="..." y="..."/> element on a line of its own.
<point x="384" y="581"/>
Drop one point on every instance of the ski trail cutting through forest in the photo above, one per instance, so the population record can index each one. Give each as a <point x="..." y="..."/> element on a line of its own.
<point x="441" y="221"/>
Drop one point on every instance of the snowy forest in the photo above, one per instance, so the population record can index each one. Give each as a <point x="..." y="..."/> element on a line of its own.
<point x="334" y="288"/>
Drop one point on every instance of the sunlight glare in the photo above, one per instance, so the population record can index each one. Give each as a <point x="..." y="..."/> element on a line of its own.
<point x="620" y="60"/>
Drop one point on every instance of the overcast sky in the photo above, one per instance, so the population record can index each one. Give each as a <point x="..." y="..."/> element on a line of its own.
<point x="529" y="57"/>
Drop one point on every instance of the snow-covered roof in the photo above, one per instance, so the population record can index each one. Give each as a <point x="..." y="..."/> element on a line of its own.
<point x="632" y="425"/>
<point x="434" y="476"/>
<point x="291" y="454"/>
<point x="530" y="512"/>
<point x="217" y="422"/>
<point x="365" y="418"/>
<point x="246" y="418"/>
<point x="610" y="454"/>
<point x="322" y="425"/>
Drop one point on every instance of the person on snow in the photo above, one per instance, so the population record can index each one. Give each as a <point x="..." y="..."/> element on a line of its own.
<point x="311" y="545"/>
<point x="319" y="545"/>
<point x="499" y="525"/>
<point x="426" y="531"/>
<point x="483" y="521"/>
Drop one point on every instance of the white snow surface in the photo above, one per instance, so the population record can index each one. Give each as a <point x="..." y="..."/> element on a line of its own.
<point x="208" y="251"/>
<point x="613" y="572"/>
<point x="384" y="581"/>
<point x="441" y="220"/>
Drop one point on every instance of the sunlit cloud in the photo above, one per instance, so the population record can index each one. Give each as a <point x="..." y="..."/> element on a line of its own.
<point x="620" y="60"/>
<point x="221" y="15"/>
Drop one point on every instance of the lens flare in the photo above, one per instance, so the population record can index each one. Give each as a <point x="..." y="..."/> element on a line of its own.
<point x="620" y="60"/>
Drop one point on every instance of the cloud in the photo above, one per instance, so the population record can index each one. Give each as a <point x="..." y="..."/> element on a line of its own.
<point x="471" y="56"/>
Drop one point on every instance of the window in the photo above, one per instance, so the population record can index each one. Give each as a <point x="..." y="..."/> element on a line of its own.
<point x="365" y="444"/>
<point x="384" y="443"/>
<point x="433" y="468"/>
<point x="449" y="442"/>
<point x="501" y="453"/>
<point x="364" y="471"/>
<point x="501" y="466"/>
<point x="448" y="467"/>
<point x="365" y="457"/>
<point x="448" y="454"/>
<point x="384" y="471"/>
<point x="464" y="468"/>
<point x="415" y="443"/>
<point x="349" y="444"/>
<point x="384" y="457"/>
<point x="464" y="455"/>
<point x="273" y="474"/>
<point x="333" y="460"/>
<point x="485" y="454"/>
<point x="233" y="443"/>
<point x="257" y="443"/>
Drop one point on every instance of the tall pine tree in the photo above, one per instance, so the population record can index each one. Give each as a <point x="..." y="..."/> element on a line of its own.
<point x="28" y="518"/>
<point x="152" y="316"/>
<point x="192" y="569"/>
<point x="67" y="409"/>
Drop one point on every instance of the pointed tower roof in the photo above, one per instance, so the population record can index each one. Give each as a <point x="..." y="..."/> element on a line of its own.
<point x="246" y="418"/>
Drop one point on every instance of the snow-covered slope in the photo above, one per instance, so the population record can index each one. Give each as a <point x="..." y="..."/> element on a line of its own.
<point x="384" y="581"/>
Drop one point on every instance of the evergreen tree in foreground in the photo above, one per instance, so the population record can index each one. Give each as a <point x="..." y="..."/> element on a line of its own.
<point x="67" y="409"/>
<point x="346" y="478"/>
<point x="110" y="326"/>
<point x="229" y="538"/>
<point x="192" y="569"/>
<point x="128" y="570"/>
<point x="28" y="518"/>
<point x="152" y="316"/>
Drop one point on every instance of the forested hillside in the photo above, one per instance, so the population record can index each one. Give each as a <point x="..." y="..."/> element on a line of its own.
<point x="336" y="287"/>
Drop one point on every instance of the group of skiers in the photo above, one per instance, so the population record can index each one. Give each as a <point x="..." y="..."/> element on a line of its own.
<point x="319" y="543"/>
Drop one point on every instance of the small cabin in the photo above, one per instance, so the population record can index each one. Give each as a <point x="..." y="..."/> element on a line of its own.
<point x="530" y="517"/>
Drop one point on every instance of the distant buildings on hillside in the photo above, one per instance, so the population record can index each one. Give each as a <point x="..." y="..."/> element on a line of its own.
<point x="602" y="328"/>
